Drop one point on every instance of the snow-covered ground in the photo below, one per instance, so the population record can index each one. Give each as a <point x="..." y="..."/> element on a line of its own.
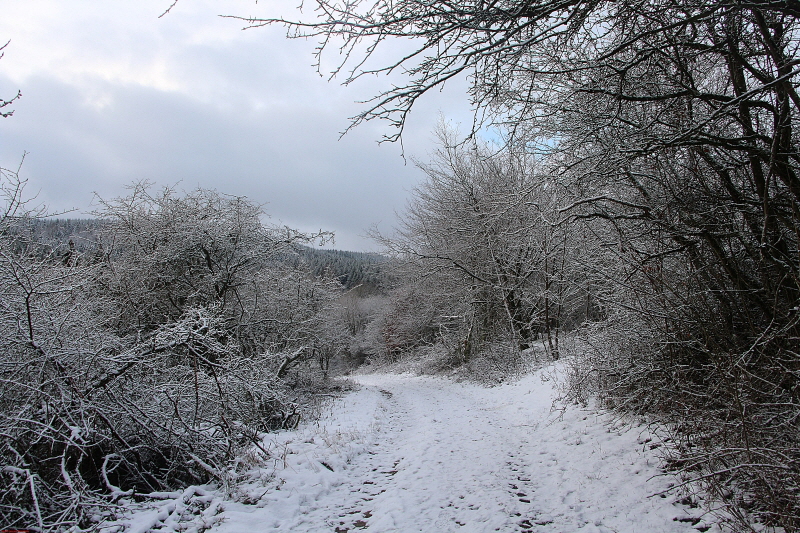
<point x="423" y="454"/>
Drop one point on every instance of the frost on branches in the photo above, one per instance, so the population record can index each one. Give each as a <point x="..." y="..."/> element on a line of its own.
<point x="144" y="358"/>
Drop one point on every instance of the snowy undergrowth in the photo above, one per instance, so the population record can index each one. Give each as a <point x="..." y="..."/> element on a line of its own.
<point x="287" y="469"/>
<point x="409" y="453"/>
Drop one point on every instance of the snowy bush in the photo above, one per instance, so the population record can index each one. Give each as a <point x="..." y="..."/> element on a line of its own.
<point x="729" y="414"/>
<point x="151" y="362"/>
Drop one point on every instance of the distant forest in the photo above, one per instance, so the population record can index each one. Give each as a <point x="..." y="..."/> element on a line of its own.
<point x="351" y="269"/>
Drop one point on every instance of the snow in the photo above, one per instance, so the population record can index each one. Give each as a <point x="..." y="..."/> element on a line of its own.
<point x="411" y="453"/>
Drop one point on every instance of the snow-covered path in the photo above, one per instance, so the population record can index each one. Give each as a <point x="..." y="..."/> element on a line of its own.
<point x="422" y="454"/>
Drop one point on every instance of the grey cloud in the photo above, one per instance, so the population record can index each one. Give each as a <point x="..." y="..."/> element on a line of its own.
<point x="288" y="157"/>
<point x="250" y="117"/>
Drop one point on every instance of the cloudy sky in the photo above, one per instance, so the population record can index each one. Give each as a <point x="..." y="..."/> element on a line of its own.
<point x="111" y="94"/>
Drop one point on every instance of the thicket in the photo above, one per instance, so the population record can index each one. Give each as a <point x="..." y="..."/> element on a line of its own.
<point x="486" y="258"/>
<point x="150" y="356"/>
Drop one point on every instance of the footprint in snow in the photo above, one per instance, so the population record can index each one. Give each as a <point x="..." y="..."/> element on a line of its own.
<point x="520" y="488"/>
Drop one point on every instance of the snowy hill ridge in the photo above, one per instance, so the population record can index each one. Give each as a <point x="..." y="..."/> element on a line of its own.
<point x="422" y="454"/>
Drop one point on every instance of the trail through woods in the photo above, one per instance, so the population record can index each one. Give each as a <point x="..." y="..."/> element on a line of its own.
<point x="423" y="454"/>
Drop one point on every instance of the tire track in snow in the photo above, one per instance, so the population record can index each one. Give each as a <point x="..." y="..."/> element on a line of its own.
<point x="376" y="477"/>
<point x="455" y="469"/>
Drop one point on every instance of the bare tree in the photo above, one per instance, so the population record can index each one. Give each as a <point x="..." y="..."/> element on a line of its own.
<point x="489" y="227"/>
<point x="5" y="103"/>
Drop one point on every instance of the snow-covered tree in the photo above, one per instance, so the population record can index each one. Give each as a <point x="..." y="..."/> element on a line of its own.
<point x="150" y="364"/>
<point x="488" y="227"/>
